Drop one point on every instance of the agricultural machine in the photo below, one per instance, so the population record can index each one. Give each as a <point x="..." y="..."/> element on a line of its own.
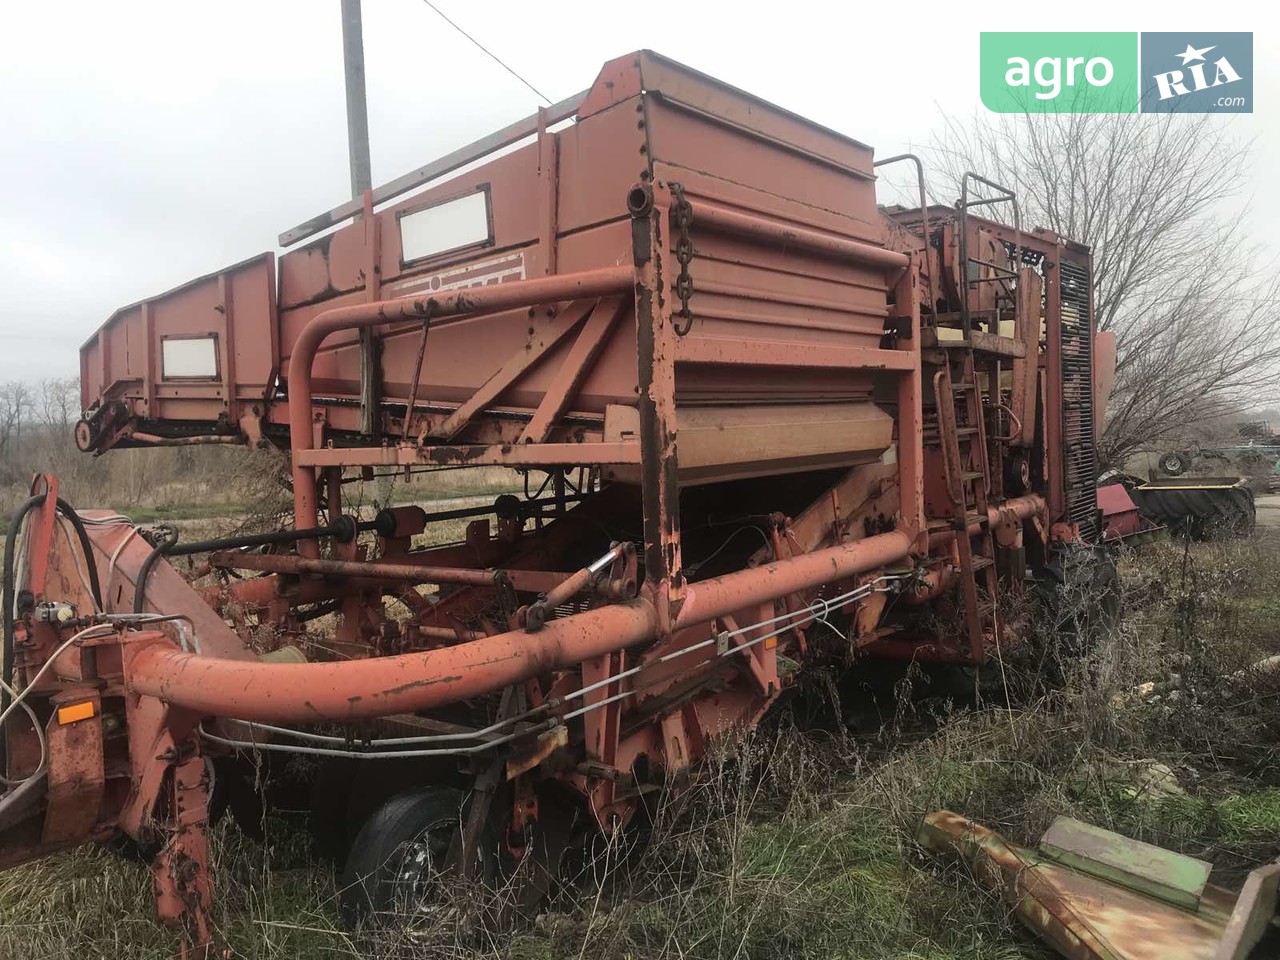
<point x="762" y="422"/>
<point x="1258" y="449"/>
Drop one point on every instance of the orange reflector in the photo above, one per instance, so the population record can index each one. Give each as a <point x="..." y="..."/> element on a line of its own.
<point x="771" y="643"/>
<point x="77" y="711"/>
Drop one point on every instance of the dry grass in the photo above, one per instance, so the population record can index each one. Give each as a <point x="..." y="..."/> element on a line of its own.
<point x="801" y="846"/>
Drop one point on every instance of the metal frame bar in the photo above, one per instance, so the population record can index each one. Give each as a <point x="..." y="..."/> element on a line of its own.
<point x="505" y="137"/>
<point x="564" y="385"/>
<point x="494" y="299"/>
<point x="540" y="343"/>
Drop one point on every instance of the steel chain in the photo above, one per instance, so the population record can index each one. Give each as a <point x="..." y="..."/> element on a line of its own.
<point x="683" y="214"/>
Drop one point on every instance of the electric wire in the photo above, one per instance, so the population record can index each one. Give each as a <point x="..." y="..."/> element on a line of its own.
<point x="487" y="52"/>
<point x="18" y="698"/>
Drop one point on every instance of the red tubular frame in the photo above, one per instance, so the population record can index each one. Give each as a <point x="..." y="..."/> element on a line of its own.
<point x="723" y="595"/>
<point x="494" y="299"/>
<point x="381" y="686"/>
<point x="358" y="689"/>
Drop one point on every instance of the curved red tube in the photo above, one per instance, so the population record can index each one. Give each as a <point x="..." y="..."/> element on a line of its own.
<point x="493" y="299"/>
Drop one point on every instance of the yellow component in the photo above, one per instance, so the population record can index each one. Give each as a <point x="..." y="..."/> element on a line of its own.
<point x="771" y="643"/>
<point x="65" y="613"/>
<point x="77" y="711"/>
<point x="285" y="654"/>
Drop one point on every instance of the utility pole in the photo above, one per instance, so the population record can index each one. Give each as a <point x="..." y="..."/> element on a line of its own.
<point x="361" y="181"/>
<point x="357" y="109"/>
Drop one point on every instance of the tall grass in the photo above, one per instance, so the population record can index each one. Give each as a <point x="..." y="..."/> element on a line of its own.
<point x="800" y="843"/>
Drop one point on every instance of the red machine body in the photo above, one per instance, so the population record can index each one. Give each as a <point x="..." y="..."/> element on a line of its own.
<point x="682" y="308"/>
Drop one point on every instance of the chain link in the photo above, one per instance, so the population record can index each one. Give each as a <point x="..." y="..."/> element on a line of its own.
<point x="683" y="214"/>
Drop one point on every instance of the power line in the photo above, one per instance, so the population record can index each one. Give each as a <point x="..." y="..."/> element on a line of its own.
<point x="493" y="56"/>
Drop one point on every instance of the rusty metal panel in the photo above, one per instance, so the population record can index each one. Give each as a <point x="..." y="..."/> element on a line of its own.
<point x="1081" y="916"/>
<point x="233" y="310"/>
<point x="804" y="285"/>
<point x="76" y="770"/>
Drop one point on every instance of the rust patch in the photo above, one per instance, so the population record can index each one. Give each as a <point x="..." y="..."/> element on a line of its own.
<point x="415" y="684"/>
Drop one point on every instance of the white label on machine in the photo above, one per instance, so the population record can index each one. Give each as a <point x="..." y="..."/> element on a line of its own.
<point x="446" y="226"/>
<point x="475" y="274"/>
<point x="189" y="358"/>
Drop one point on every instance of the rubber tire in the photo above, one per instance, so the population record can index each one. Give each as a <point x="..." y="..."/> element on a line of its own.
<point x="1174" y="464"/>
<point x="1080" y="595"/>
<point x="368" y="888"/>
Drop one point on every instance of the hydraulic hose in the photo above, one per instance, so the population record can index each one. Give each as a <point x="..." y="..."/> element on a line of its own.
<point x="168" y="541"/>
<point x="10" y="545"/>
<point x="8" y="596"/>
<point x="344" y="529"/>
<point x="82" y="535"/>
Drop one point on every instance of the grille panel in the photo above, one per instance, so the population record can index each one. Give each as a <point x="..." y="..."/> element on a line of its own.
<point x="1080" y="456"/>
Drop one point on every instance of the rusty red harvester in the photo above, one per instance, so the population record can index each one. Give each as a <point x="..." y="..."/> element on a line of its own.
<point x="762" y="423"/>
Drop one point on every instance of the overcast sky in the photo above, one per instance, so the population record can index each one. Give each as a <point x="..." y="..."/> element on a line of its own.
<point x="143" y="144"/>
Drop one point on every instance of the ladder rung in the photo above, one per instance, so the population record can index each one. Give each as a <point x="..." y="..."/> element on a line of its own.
<point x="971" y="475"/>
<point x="963" y="385"/>
<point x="981" y="563"/>
<point x="962" y="433"/>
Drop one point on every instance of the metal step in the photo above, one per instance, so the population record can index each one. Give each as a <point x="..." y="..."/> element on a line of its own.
<point x="935" y="348"/>
<point x="934" y="438"/>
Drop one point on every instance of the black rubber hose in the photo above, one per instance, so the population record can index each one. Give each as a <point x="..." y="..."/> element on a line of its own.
<point x="10" y="544"/>
<point x="160" y="549"/>
<point x="95" y="586"/>
<point x="8" y="592"/>
<point x="344" y="531"/>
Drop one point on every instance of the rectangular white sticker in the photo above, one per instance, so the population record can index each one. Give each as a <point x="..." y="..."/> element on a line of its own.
<point x="189" y="357"/>
<point x="446" y="226"/>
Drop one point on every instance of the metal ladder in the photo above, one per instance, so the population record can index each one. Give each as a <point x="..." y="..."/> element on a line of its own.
<point x="962" y="437"/>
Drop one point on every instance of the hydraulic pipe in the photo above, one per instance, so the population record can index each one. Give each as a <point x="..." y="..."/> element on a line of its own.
<point x="378" y="687"/>
<point x="344" y="530"/>
<point x="718" y="596"/>
<point x="538" y="581"/>
<point x="355" y="689"/>
<point x="493" y="299"/>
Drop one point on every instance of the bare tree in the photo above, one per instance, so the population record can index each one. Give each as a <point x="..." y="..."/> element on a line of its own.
<point x="1157" y="198"/>
<point x="15" y="408"/>
<point x="59" y="399"/>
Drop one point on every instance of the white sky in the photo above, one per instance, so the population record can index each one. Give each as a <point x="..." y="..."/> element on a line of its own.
<point x="145" y="143"/>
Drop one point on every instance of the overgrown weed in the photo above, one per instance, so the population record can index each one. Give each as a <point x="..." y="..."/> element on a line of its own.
<point x="801" y="844"/>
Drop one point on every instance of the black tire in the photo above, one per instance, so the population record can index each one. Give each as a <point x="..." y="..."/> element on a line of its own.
<point x="329" y="804"/>
<point x="396" y="862"/>
<point x="1079" y="598"/>
<point x="1174" y="464"/>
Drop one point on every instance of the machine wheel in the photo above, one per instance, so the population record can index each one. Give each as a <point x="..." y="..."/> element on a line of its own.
<point x="397" y="861"/>
<point x="1174" y="464"/>
<point x="1079" y="598"/>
